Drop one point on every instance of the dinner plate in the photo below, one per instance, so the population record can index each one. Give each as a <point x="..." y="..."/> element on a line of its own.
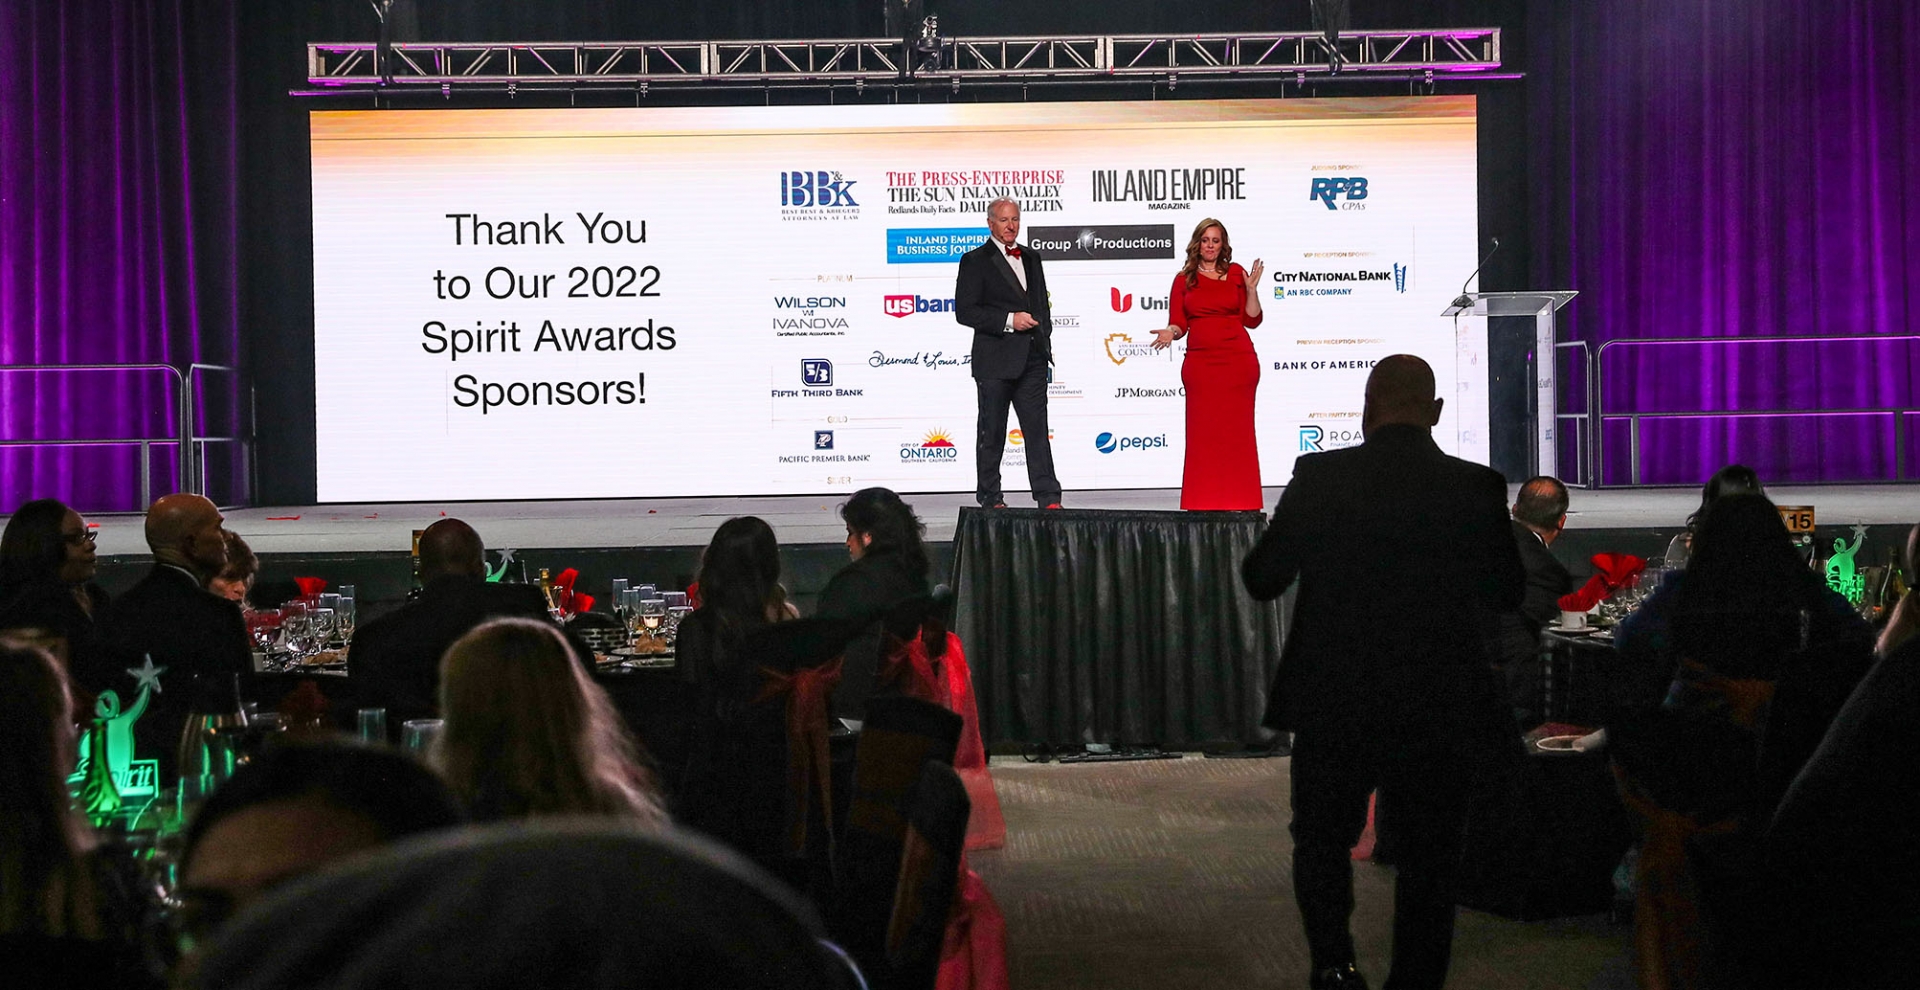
<point x="1582" y="631"/>
<point x="1557" y="744"/>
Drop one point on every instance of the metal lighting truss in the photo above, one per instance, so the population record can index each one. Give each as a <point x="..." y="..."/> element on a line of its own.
<point x="1288" y="57"/>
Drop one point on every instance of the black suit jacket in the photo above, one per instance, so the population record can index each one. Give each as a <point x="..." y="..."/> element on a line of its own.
<point x="863" y="593"/>
<point x="1547" y="580"/>
<point x="985" y="293"/>
<point x="1404" y="556"/>
<point x="201" y="640"/>
<point x="394" y="662"/>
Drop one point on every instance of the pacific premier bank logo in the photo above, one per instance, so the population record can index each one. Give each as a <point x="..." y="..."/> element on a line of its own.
<point x="907" y="305"/>
<point x="1351" y="188"/>
<point x="823" y="439"/>
<point x="816" y="372"/>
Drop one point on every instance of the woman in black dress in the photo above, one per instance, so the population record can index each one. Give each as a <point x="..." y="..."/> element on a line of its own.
<point x="889" y="567"/>
<point x="46" y="583"/>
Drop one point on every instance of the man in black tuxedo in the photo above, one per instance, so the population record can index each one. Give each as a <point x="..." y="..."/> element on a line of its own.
<point x="394" y="662"/>
<point x="1539" y="514"/>
<point x="1404" y="557"/>
<point x="1001" y="293"/>
<point x="201" y="657"/>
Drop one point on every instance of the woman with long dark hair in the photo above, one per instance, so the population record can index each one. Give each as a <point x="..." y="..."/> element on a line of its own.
<point x="1212" y="305"/>
<point x="529" y="734"/>
<point x="890" y="566"/>
<point x="46" y="578"/>
<point x="67" y="916"/>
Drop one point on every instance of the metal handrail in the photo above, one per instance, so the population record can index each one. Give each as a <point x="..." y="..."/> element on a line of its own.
<point x="182" y="437"/>
<point x="1600" y="415"/>
<point x="189" y="415"/>
<point x="1585" y="436"/>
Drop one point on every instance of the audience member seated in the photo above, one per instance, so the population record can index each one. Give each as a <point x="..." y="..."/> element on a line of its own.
<point x="577" y="904"/>
<point x="46" y="582"/>
<point x="235" y="580"/>
<point x="1539" y="514"/>
<point x="740" y="592"/>
<point x="394" y="662"/>
<point x="197" y="641"/>
<point x="1843" y="850"/>
<point x="889" y="567"/>
<point x="68" y="914"/>
<point x="1747" y="633"/>
<point x="294" y="809"/>
<point x="528" y="733"/>
<point x="1734" y="479"/>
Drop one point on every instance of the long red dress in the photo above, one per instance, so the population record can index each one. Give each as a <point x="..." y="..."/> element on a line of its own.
<point x="1221" y="372"/>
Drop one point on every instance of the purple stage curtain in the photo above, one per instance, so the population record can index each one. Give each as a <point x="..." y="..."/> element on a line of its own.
<point x="118" y="181"/>
<point x="1734" y="168"/>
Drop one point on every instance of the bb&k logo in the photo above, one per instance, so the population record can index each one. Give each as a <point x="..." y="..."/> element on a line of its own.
<point x="816" y="189"/>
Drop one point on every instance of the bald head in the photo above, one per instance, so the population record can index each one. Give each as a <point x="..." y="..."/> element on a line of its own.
<point x="1400" y="392"/>
<point x="184" y="531"/>
<point x="451" y="547"/>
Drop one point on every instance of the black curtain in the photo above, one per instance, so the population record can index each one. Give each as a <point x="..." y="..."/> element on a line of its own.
<point x="1117" y="627"/>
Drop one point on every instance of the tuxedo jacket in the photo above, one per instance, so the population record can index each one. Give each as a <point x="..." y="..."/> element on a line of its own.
<point x="198" y="637"/>
<point x="1404" y="557"/>
<point x="985" y="294"/>
<point x="394" y="662"/>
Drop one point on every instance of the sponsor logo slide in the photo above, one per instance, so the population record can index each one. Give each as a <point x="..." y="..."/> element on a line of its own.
<point x="1103" y="242"/>
<point x="932" y="245"/>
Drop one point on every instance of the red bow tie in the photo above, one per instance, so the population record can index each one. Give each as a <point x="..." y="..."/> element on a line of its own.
<point x="1013" y="252"/>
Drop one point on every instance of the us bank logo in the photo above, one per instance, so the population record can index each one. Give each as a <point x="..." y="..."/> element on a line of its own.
<point x="904" y="306"/>
<point x="816" y="372"/>
<point x="1340" y="192"/>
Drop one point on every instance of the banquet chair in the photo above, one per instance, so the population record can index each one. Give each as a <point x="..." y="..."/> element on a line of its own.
<point x="899" y="738"/>
<point x="929" y="877"/>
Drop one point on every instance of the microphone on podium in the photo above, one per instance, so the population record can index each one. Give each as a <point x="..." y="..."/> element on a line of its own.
<point x="1464" y="302"/>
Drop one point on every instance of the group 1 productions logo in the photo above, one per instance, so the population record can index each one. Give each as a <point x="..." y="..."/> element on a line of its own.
<point x="1315" y="438"/>
<point x="817" y="195"/>
<point x="1104" y="242"/>
<point x="934" y="448"/>
<point x="903" y="306"/>
<point x="1122" y="302"/>
<point x="809" y="316"/>
<point x="1328" y="189"/>
<point x="1344" y="282"/>
<point x="1109" y="443"/>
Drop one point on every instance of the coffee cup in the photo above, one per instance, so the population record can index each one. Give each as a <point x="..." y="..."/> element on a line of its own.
<point x="1573" y="620"/>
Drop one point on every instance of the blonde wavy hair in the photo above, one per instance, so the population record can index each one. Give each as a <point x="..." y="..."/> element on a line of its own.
<point x="1191" y="270"/>
<point x="529" y="734"/>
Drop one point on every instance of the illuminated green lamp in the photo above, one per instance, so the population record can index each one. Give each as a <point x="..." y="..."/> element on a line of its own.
<point x="126" y="780"/>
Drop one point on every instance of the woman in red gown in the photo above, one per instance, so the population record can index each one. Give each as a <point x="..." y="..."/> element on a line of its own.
<point x="1213" y="304"/>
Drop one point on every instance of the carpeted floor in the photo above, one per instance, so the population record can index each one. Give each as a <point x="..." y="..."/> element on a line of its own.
<point x="1177" y="873"/>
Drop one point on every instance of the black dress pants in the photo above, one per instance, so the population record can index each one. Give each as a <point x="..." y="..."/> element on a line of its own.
<point x="1427" y="783"/>
<point x="1028" y="396"/>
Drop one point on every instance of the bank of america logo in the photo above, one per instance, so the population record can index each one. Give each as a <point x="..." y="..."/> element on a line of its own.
<point x="1399" y="278"/>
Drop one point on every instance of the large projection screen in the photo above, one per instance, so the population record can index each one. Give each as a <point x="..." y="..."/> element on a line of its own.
<point x="521" y="304"/>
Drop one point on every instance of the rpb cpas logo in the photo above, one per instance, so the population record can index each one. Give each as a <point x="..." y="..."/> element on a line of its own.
<point x="816" y="189"/>
<point x="1353" y="188"/>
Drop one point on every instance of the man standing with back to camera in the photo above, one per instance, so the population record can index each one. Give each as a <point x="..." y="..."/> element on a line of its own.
<point x="1001" y="293"/>
<point x="1405" y="557"/>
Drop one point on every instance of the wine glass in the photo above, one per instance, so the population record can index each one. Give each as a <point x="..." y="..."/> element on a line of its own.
<point x="653" y="614"/>
<point x="322" y="622"/>
<point x="344" y="618"/>
<point x="675" y="615"/>
<point x="630" y="614"/>
<point x="296" y="628"/>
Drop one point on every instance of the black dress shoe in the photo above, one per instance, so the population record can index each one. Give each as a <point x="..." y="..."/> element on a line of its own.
<point x="1341" y="977"/>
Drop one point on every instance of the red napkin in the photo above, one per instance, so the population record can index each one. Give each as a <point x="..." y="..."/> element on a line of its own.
<point x="579" y="603"/>
<point x="570" y="602"/>
<point x="304" y="710"/>
<point x="310" y="586"/>
<point x="1589" y="595"/>
<point x="1617" y="568"/>
<point x="693" y="594"/>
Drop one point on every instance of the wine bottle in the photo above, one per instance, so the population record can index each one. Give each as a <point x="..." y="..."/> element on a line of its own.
<point x="547" y="592"/>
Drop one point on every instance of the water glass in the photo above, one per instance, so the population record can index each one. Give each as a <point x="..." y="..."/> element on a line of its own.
<point x="343" y="618"/>
<point x="675" y="599"/>
<point x="373" y="725"/>
<point x="675" y="615"/>
<point x="648" y="590"/>
<point x="653" y="614"/>
<point x="419" y="734"/>
<point x="619" y="588"/>
<point x="346" y="591"/>
<point x="322" y="619"/>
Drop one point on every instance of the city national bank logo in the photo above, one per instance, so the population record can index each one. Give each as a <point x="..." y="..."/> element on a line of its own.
<point x="1315" y="438"/>
<point x="905" y="306"/>
<point x="1107" y="242"/>
<point x="1335" y="284"/>
<point x="1329" y="189"/>
<point x="1120" y="347"/>
<point x="936" y="447"/>
<point x="1122" y="302"/>
<point x="809" y="316"/>
<point x="1108" y="443"/>
<point x="817" y="196"/>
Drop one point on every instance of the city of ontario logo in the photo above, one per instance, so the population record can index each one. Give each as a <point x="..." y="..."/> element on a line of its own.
<point x="823" y="439"/>
<point x="903" y="306"/>
<point x="816" y="189"/>
<point x="1326" y="189"/>
<point x="816" y="372"/>
<point x="936" y="446"/>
